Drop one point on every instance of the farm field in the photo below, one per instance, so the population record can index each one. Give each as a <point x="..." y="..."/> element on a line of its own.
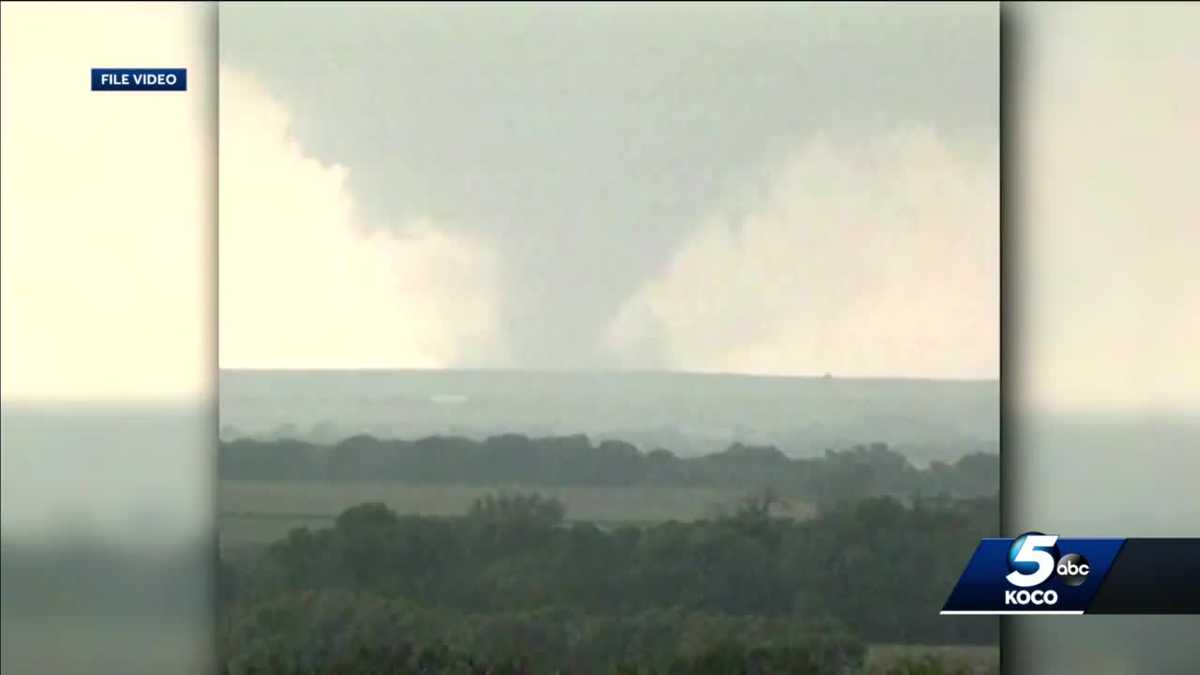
<point x="260" y="512"/>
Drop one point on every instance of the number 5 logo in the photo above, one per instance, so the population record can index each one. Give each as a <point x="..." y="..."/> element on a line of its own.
<point x="1030" y="552"/>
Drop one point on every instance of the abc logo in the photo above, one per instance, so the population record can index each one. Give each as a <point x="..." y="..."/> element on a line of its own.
<point x="1072" y="569"/>
<point x="1032" y="559"/>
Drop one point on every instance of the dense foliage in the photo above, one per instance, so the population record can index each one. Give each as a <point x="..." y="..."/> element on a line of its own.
<point x="573" y="460"/>
<point x="332" y="631"/>
<point x="512" y="583"/>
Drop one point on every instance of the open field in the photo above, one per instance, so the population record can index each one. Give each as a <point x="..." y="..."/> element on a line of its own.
<point x="973" y="659"/>
<point x="253" y="512"/>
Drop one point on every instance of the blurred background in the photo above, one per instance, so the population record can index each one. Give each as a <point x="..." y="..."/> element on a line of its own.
<point x="108" y="359"/>
<point x="1102" y="306"/>
<point x="108" y="373"/>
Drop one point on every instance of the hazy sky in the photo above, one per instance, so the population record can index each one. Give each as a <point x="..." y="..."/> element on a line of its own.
<point x="1108" y="301"/>
<point x="108" y="210"/>
<point x="771" y="189"/>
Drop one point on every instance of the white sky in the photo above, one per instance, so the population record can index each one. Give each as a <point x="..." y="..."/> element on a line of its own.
<point x="1108" y="285"/>
<point x="108" y="294"/>
<point x="302" y="285"/>
<point x="108" y="204"/>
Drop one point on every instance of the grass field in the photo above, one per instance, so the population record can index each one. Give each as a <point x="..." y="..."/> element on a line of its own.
<point x="976" y="660"/>
<point x="253" y="512"/>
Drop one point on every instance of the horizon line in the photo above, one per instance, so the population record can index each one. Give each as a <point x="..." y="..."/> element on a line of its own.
<point x="556" y="371"/>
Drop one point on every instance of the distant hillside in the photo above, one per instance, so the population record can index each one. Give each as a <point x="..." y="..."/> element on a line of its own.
<point x="690" y="413"/>
<point x="573" y="460"/>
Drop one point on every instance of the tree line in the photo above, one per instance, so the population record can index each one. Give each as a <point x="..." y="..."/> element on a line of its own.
<point x="511" y="582"/>
<point x="860" y="471"/>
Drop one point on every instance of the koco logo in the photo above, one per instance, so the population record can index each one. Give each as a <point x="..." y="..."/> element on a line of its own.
<point x="1024" y="597"/>
<point x="1033" y="558"/>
